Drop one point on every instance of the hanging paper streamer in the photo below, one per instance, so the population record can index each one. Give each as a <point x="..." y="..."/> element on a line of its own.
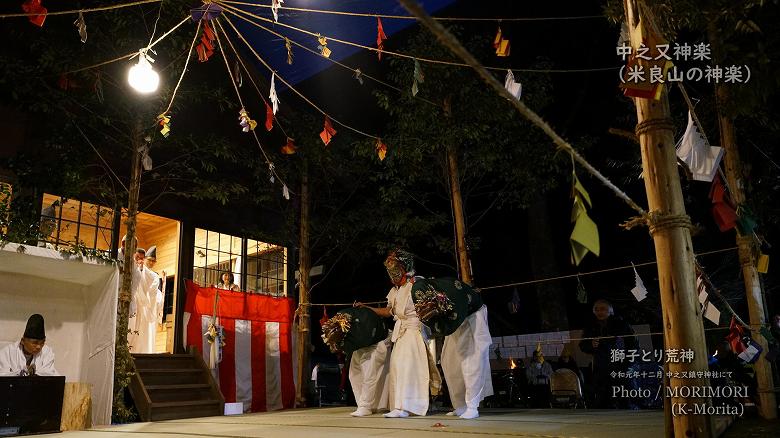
<point x="701" y="158"/>
<point x="206" y="46"/>
<point x="246" y="123"/>
<point x="707" y="307"/>
<point x="701" y="288"/>
<point x="35" y="7"/>
<point x="97" y="87"/>
<point x="582" y="294"/>
<point x="65" y="83"/>
<point x="275" y="4"/>
<point x="585" y="236"/>
<point x="289" y="148"/>
<point x="269" y="117"/>
<point x="514" y="303"/>
<point x="146" y="159"/>
<point x="271" y="172"/>
<point x="501" y="44"/>
<point x="380" y="38"/>
<point x="359" y="76"/>
<point x="81" y="25"/>
<point x="327" y="131"/>
<point x="381" y="149"/>
<point x="722" y="210"/>
<point x="644" y="87"/>
<point x="272" y="95"/>
<point x="323" y="47"/>
<point x="742" y="344"/>
<point x="712" y="313"/>
<point x="746" y="223"/>
<point x="639" y="290"/>
<point x="207" y="12"/>
<point x="762" y="264"/>
<point x="514" y="88"/>
<point x="285" y="192"/>
<point x="164" y="121"/>
<point x="237" y="74"/>
<point x="419" y="78"/>
<point x="624" y="38"/>
<point x="288" y="46"/>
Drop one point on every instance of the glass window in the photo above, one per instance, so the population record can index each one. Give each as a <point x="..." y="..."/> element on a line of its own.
<point x="261" y="269"/>
<point x="216" y="253"/>
<point x="67" y="222"/>
<point x="266" y="268"/>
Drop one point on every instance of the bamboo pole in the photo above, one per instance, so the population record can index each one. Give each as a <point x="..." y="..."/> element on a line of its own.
<point x="745" y="244"/>
<point x="304" y="266"/>
<point x="669" y="226"/>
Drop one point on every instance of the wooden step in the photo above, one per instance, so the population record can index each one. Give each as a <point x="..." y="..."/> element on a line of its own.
<point x="164" y="376"/>
<point x="185" y="409"/>
<point x="173" y="393"/>
<point x="164" y="361"/>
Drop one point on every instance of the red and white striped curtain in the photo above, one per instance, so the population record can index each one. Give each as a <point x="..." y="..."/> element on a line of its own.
<point x="257" y="359"/>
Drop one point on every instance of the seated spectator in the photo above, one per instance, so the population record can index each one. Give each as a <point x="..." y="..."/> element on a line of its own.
<point x="567" y="361"/>
<point x="30" y="357"/>
<point x="538" y="374"/>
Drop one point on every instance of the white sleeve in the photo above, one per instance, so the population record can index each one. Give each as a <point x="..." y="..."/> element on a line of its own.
<point x="44" y="366"/>
<point x="7" y="362"/>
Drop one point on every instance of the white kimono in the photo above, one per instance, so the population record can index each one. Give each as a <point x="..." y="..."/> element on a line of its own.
<point x="409" y="378"/>
<point x="146" y="307"/>
<point x="368" y="373"/>
<point x="13" y="362"/>
<point x="465" y="361"/>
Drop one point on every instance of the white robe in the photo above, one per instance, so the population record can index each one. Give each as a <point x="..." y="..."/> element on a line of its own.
<point x="146" y="309"/>
<point x="13" y="362"/>
<point x="408" y="378"/>
<point x="465" y="361"/>
<point x="368" y="373"/>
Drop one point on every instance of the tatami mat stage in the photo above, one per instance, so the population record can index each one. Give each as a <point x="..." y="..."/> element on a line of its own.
<point x="336" y="422"/>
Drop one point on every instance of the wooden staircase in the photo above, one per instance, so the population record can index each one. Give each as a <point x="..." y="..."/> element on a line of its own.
<point x="171" y="386"/>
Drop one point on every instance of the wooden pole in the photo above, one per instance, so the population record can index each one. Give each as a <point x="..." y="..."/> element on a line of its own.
<point x="304" y="266"/>
<point x="464" y="262"/>
<point x="766" y="397"/>
<point x="669" y="226"/>
<point x="122" y="350"/>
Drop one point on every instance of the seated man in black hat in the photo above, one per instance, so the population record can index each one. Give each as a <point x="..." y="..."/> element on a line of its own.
<point x="30" y="356"/>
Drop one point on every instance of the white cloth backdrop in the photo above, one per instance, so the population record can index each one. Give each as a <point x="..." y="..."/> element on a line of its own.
<point x="78" y="301"/>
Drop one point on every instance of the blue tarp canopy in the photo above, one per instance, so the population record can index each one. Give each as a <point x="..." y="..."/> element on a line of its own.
<point x="357" y="29"/>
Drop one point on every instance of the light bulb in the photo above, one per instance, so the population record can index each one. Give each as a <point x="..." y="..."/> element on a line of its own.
<point x="141" y="76"/>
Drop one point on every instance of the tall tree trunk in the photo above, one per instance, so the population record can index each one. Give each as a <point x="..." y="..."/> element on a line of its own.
<point x="123" y="360"/>
<point x="552" y="314"/>
<point x="464" y="262"/>
<point x="753" y="292"/>
<point x="683" y="328"/>
<point x="304" y="266"/>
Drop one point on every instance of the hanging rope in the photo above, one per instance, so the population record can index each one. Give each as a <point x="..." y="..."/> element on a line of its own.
<point x="600" y="271"/>
<point x="403" y="55"/>
<point x="82" y="11"/>
<point x="409" y="17"/>
<point x="184" y="71"/>
<point x="241" y="101"/>
<point x="314" y="52"/>
<point x="129" y="55"/>
<point x="259" y="58"/>
<point x="251" y="78"/>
